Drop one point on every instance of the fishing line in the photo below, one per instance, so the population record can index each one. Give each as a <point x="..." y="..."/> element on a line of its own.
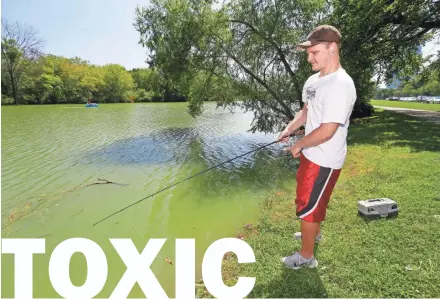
<point x="190" y="177"/>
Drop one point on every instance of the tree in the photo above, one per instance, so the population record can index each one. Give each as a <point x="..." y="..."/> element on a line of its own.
<point x="384" y="42"/>
<point x="143" y="78"/>
<point x="432" y="70"/>
<point x="117" y="82"/>
<point x="245" y="47"/>
<point x="20" y="47"/>
<point x="238" y="53"/>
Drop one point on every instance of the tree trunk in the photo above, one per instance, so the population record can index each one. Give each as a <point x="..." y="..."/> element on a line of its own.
<point x="14" y="87"/>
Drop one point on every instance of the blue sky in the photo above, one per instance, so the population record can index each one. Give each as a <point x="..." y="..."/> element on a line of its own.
<point x="99" y="31"/>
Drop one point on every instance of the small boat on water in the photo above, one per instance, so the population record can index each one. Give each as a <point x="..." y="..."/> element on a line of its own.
<point x="91" y="105"/>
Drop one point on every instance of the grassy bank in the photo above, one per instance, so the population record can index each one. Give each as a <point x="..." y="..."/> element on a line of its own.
<point x="410" y="105"/>
<point x="390" y="155"/>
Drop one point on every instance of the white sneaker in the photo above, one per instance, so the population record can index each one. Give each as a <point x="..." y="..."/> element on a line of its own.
<point x="297" y="261"/>
<point x="318" y="238"/>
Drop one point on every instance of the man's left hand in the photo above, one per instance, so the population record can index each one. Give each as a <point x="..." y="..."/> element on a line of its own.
<point x="295" y="150"/>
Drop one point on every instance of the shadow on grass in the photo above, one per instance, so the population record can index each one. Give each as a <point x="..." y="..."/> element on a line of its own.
<point x="303" y="283"/>
<point x="289" y="283"/>
<point x="395" y="129"/>
<point x="377" y="218"/>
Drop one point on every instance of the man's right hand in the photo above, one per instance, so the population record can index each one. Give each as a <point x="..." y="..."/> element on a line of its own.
<point x="284" y="136"/>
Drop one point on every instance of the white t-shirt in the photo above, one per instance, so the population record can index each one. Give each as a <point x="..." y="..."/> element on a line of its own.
<point x="330" y="99"/>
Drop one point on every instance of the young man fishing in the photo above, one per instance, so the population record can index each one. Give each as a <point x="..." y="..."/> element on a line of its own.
<point x="329" y="97"/>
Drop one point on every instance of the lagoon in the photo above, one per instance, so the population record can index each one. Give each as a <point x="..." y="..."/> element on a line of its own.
<point x="49" y="153"/>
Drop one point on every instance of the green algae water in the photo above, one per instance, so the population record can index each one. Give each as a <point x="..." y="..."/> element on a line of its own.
<point x="49" y="151"/>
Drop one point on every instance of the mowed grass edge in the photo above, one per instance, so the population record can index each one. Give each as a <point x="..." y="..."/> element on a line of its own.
<point x="407" y="105"/>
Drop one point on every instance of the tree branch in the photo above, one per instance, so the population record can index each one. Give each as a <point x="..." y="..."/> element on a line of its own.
<point x="263" y="83"/>
<point x="264" y="72"/>
<point x="277" y="48"/>
<point x="279" y="51"/>
<point x="428" y="24"/>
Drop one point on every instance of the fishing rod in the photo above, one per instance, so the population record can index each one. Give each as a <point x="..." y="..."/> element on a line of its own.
<point x="190" y="177"/>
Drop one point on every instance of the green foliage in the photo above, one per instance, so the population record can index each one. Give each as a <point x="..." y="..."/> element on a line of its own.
<point x="236" y="53"/>
<point x="59" y="80"/>
<point x="383" y="42"/>
<point x="20" y="48"/>
<point x="144" y="78"/>
<point x="29" y="77"/>
<point x="249" y="42"/>
<point x="7" y="100"/>
<point x="424" y="83"/>
<point x="117" y="83"/>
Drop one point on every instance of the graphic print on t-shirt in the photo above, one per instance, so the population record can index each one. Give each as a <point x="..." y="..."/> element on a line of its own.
<point x="310" y="93"/>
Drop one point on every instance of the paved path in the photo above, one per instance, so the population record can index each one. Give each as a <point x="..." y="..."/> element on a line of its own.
<point x="428" y="115"/>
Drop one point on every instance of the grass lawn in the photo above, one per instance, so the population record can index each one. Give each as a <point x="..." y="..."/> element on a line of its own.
<point x="390" y="155"/>
<point x="421" y="106"/>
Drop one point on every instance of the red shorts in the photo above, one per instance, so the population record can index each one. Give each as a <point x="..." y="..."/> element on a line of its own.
<point x="314" y="187"/>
